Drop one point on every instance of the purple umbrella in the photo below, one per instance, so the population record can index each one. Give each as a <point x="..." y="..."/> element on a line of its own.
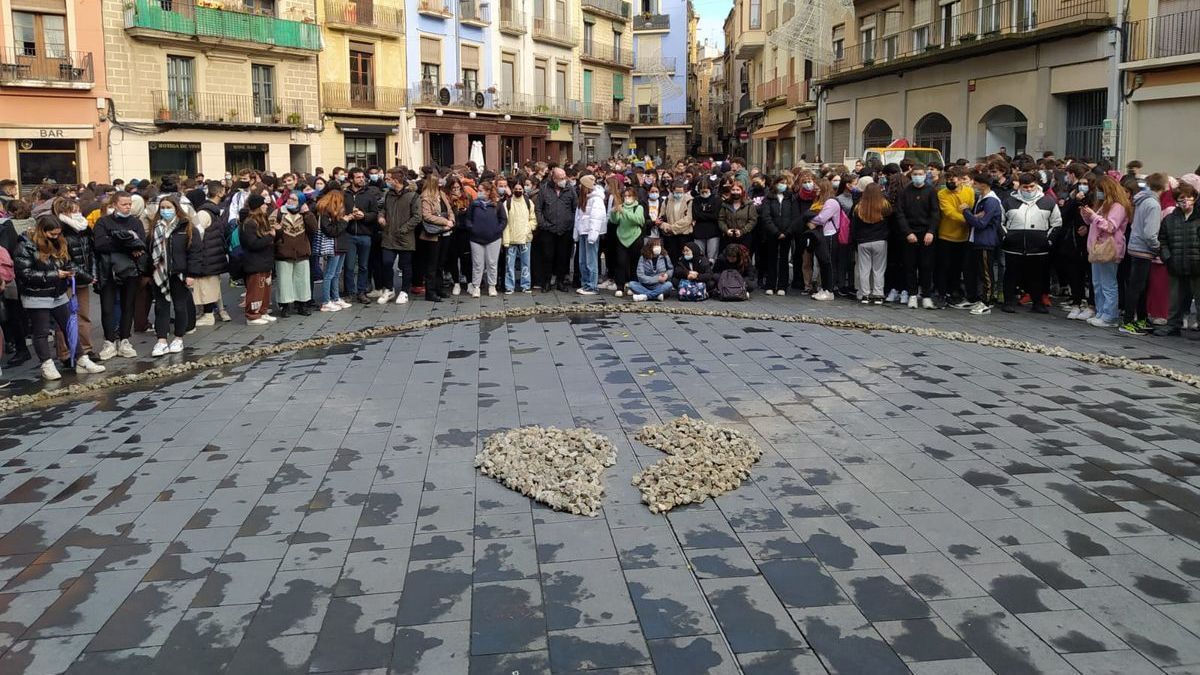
<point x="73" y="324"/>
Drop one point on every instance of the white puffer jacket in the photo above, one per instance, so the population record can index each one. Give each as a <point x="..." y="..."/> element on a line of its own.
<point x="591" y="220"/>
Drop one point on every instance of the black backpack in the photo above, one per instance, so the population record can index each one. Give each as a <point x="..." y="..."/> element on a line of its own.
<point x="731" y="286"/>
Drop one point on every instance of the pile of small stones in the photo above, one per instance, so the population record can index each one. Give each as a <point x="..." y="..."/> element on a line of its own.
<point x="562" y="469"/>
<point x="704" y="460"/>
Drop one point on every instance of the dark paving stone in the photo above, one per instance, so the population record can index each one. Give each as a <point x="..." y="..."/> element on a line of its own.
<point x="585" y="593"/>
<point x="750" y="616"/>
<point x="436" y="591"/>
<point x="802" y="583"/>
<point x="844" y="641"/>
<point x="528" y="662"/>
<point x="695" y="654"/>
<point x="923" y="640"/>
<point x="710" y="563"/>
<point x="597" y="647"/>
<point x="506" y="617"/>
<point x="433" y="648"/>
<point x="357" y="633"/>
<point x="668" y="603"/>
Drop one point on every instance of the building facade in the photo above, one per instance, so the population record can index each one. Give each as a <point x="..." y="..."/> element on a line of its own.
<point x="362" y="75"/>
<point x="709" y="102"/>
<point x="1160" y="73"/>
<point x="606" y="54"/>
<point x="212" y="86"/>
<point x="1018" y="75"/>
<point x="662" y="33"/>
<point x="53" y="92"/>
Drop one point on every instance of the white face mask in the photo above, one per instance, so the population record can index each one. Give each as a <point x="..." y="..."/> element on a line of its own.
<point x="656" y="250"/>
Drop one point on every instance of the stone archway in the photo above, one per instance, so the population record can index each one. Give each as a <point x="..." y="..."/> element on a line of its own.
<point x="1003" y="127"/>
<point x="933" y="131"/>
<point x="877" y="134"/>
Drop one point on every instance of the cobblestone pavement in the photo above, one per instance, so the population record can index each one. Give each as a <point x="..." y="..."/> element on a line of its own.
<point x="923" y="506"/>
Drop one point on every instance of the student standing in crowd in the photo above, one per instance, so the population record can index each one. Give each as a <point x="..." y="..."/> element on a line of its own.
<point x="258" y="240"/>
<point x="400" y="220"/>
<point x="871" y="224"/>
<point x="591" y="222"/>
<point x="779" y="213"/>
<point x="1141" y="249"/>
<point x="822" y="228"/>
<point x="918" y="216"/>
<point x="437" y="221"/>
<point x="1030" y="219"/>
<point x="953" y="234"/>
<point x="518" y="235"/>
<point x="362" y="205"/>
<point x="174" y="257"/>
<point x="738" y="217"/>
<point x="983" y="219"/>
<point x="122" y="261"/>
<point x="555" y="207"/>
<point x="485" y="223"/>
<point x="677" y="225"/>
<point x="706" y="209"/>
<point x="295" y="225"/>
<point x="1179" y="248"/>
<point x="210" y="228"/>
<point x="78" y="235"/>
<point x="1107" y="214"/>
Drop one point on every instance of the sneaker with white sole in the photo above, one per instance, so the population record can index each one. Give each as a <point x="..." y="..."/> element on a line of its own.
<point x="160" y="349"/>
<point x="1086" y="314"/>
<point x="620" y="293"/>
<point x="474" y="290"/>
<point x="608" y="286"/>
<point x="912" y="302"/>
<point x="125" y="350"/>
<point x="206" y="319"/>
<point x="892" y="296"/>
<point x="1074" y="313"/>
<point x="1101" y="322"/>
<point x="903" y="298"/>
<point x="342" y="303"/>
<point x="331" y="307"/>
<point x="49" y="372"/>
<point x="492" y="292"/>
<point x="374" y="294"/>
<point x="85" y="366"/>
<point x="260" y="321"/>
<point x="769" y="292"/>
<point x="457" y="289"/>
<point x="585" y="291"/>
<point x="927" y="303"/>
<point x="385" y="297"/>
<point x="965" y="304"/>
<point x="225" y="316"/>
<point x="401" y="298"/>
<point x="865" y="300"/>
<point x="638" y="297"/>
<point x="176" y="346"/>
<point x="108" y="351"/>
<point x="781" y="292"/>
<point x="270" y="318"/>
<point x="979" y="309"/>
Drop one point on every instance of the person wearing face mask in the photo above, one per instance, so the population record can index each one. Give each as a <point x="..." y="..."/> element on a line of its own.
<point x="518" y="234"/>
<point x="738" y="217"/>
<point x="653" y="205"/>
<point x="779" y="212"/>
<point x="591" y="221"/>
<point x="1030" y="219"/>
<point x="984" y="219"/>
<point x="917" y="217"/>
<point x="676" y="224"/>
<point x="1179" y="248"/>
<point x="44" y="270"/>
<point x="706" y="209"/>
<point x="210" y="227"/>
<point x="654" y="272"/>
<point x="399" y="220"/>
<point x="555" y="207"/>
<point x="257" y="233"/>
<point x="121" y="263"/>
<point x="80" y="245"/>
<point x="175" y="252"/>
<point x="1069" y="245"/>
<point x="362" y="205"/>
<point x="692" y="268"/>
<point x="630" y="219"/>
<point x="295" y="226"/>
<point x="952" y="237"/>
<point x="1107" y="216"/>
<point x="485" y="222"/>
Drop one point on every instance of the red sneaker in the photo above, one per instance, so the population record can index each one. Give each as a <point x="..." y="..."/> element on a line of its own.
<point x="1025" y="299"/>
<point x="418" y="290"/>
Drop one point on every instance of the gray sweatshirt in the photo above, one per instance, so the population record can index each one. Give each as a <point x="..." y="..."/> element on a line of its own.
<point x="1143" y="229"/>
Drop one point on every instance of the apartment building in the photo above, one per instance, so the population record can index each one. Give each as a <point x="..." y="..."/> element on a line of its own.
<point x="708" y="110"/>
<point x="1160" y="73"/>
<point x="212" y="86"/>
<point x="662" y="33"/>
<point x="362" y="74"/>
<point x="971" y="78"/>
<point x="52" y="92"/>
<point x="606" y="56"/>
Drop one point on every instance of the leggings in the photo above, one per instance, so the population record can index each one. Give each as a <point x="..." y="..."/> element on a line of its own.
<point x="1135" y="289"/>
<point x="110" y="293"/>
<point x="433" y="264"/>
<point x="179" y="303"/>
<point x="814" y="242"/>
<point x="40" y="319"/>
<point x="627" y="259"/>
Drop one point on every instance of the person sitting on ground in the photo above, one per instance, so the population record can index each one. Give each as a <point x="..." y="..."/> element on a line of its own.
<point x="654" y="273"/>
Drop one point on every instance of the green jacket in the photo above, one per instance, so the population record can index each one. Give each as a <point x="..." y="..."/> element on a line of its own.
<point x="1179" y="242"/>
<point x="629" y="221"/>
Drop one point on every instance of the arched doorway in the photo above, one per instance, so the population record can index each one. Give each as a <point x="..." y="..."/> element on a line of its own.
<point x="877" y="134"/>
<point x="933" y="131"/>
<point x="1002" y="127"/>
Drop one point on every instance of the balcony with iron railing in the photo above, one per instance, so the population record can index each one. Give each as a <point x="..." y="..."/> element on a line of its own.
<point x="228" y="111"/>
<point x="648" y="22"/>
<point x="1005" y="24"/>
<point x="554" y="32"/>
<point x="63" y="70"/>
<point x="771" y="91"/>
<point x="651" y="63"/>
<point x="362" y="97"/>
<point x="798" y="94"/>
<point x="438" y="8"/>
<point x="613" y="9"/>
<point x="474" y="13"/>
<point x="203" y="21"/>
<point x="650" y="116"/>
<point x="1169" y="36"/>
<point x="430" y="95"/>
<point x="373" y="18"/>
<point x="749" y="42"/>
<point x="512" y="20"/>
<point x="607" y="112"/>
<point x="606" y="54"/>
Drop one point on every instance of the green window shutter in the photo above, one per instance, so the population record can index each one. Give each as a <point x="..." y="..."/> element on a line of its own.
<point x="618" y="87"/>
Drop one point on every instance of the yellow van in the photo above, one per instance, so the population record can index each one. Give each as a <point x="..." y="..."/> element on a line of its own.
<point x="922" y="156"/>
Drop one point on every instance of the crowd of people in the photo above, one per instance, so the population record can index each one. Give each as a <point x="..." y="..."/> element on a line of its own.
<point x="1121" y="249"/>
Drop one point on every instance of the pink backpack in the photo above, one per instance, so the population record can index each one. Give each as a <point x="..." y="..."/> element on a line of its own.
<point x="7" y="273"/>
<point x="843" y="228"/>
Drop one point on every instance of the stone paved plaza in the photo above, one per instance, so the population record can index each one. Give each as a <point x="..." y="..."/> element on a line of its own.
<point x="922" y="506"/>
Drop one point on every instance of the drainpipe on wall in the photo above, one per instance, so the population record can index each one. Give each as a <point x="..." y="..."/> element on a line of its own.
<point x="1116" y="84"/>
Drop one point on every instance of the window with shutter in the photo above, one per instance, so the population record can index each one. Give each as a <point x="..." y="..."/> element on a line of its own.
<point x="431" y="50"/>
<point x="618" y="87"/>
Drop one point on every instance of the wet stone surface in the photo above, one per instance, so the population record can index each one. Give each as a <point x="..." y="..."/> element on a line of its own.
<point x="920" y="506"/>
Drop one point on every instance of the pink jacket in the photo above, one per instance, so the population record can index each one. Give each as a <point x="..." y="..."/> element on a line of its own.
<point x="1113" y="225"/>
<point x="828" y="217"/>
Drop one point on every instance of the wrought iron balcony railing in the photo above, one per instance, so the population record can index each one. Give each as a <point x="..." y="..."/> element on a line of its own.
<point x="1163" y="36"/>
<point x="365" y="97"/>
<point x="652" y="22"/>
<point x="617" y="9"/>
<point x="512" y="21"/>
<point x="203" y="19"/>
<point x="557" y="32"/>
<point x="365" y="15"/>
<point x="178" y="109"/>
<point x="609" y="54"/>
<point x="474" y="13"/>
<point x="62" y="70"/>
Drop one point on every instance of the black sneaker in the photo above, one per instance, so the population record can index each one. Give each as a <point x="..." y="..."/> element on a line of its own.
<point x="1008" y="308"/>
<point x="302" y="309"/>
<point x="285" y="310"/>
<point x="19" y="357"/>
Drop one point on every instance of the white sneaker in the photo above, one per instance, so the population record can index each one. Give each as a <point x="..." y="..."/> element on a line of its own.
<point x="979" y="309"/>
<point x="474" y="290"/>
<point x="331" y="307"/>
<point x="108" y="351"/>
<point x="385" y="297"/>
<point x="927" y="303"/>
<point x="1086" y="314"/>
<point x="401" y="298"/>
<point x="261" y="321"/>
<point x="620" y="294"/>
<point x="904" y="298"/>
<point x="584" y="291"/>
<point x="769" y="292"/>
<point x="49" y="372"/>
<point x="492" y="292"/>
<point x="662" y="297"/>
<point x="126" y="350"/>
<point x="780" y="293"/>
<point x="206" y="319"/>
<point x="270" y="318"/>
<point x="160" y="349"/>
<point x="912" y="302"/>
<point x="508" y="291"/>
<point x="342" y="303"/>
<point x="1074" y="313"/>
<point x="1100" y="322"/>
<point x="225" y="316"/>
<point x="457" y="289"/>
<point x="375" y="294"/>
<point x="609" y="285"/>
<point x="85" y="366"/>
<point x="638" y="297"/>
<point x="176" y="346"/>
<point x="892" y="296"/>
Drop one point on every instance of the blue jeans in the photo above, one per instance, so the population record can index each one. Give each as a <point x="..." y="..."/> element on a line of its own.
<point x="651" y="292"/>
<point x="513" y="252"/>
<point x="357" y="260"/>
<point x="1104" y="279"/>
<point x="331" y="277"/>
<point x="589" y="264"/>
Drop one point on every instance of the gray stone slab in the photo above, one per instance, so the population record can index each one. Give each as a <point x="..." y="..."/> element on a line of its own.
<point x="998" y="638"/>
<point x="585" y="593"/>
<point x="507" y="617"/>
<point x="1143" y="628"/>
<point x="669" y="603"/>
<point x="750" y="615"/>
<point x="597" y="647"/>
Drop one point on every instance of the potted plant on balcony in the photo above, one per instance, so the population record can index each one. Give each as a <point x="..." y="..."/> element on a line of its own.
<point x="293" y="119"/>
<point x="275" y="116"/>
<point x="491" y="89"/>
<point x="458" y="85"/>
<point x="232" y="114"/>
<point x="164" y="114"/>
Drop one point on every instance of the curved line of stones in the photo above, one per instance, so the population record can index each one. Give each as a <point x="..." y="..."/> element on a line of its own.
<point x="251" y="353"/>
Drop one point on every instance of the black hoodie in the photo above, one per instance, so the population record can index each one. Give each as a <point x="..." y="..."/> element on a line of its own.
<point x="698" y="264"/>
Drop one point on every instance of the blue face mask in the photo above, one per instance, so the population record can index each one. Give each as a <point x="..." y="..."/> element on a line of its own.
<point x="1027" y="194"/>
<point x="1099" y="195"/>
<point x="883" y="181"/>
<point x="293" y="208"/>
<point x="687" y="257"/>
<point x="918" y="180"/>
<point x="166" y="214"/>
<point x="781" y="188"/>
<point x="1083" y="189"/>
<point x="676" y="196"/>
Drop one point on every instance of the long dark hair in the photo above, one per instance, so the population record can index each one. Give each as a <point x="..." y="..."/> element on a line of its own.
<point x="48" y="248"/>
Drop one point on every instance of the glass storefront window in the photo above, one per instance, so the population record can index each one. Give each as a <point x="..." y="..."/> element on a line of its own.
<point x="39" y="160"/>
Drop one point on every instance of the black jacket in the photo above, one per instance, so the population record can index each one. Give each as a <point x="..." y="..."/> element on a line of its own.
<point x="555" y="209"/>
<point x="115" y="239"/>
<point x="779" y="217"/>
<point x="918" y="211"/>
<point x="214" y="257"/>
<point x="335" y="229"/>
<point x="83" y="255"/>
<point x="259" y="251"/>
<point x="36" y="278"/>
<point x="183" y="258"/>
<point x="865" y="232"/>
<point x="367" y="201"/>
<point x="699" y="264"/>
<point x="704" y="216"/>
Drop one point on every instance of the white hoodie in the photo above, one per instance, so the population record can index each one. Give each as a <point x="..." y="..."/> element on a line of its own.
<point x="591" y="221"/>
